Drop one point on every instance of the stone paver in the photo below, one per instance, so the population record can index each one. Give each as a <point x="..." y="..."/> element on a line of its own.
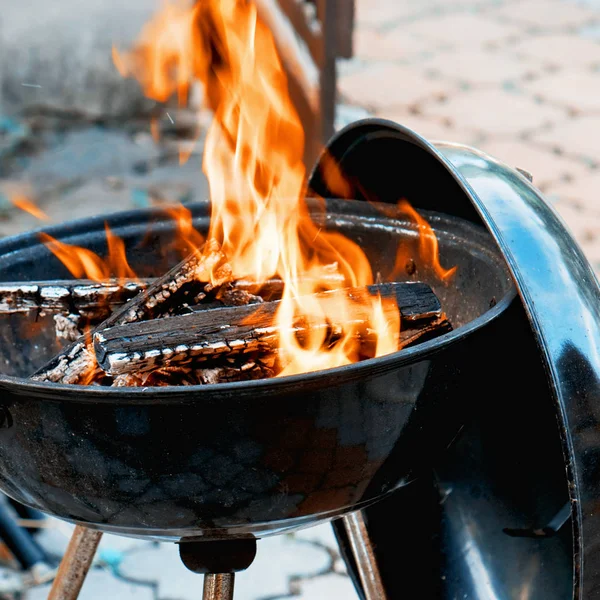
<point x="574" y="137"/>
<point x="388" y="46"/>
<point x="583" y="193"/>
<point x="561" y="50"/>
<point x="546" y="167"/>
<point x="494" y="112"/>
<point x="323" y="535"/>
<point x="545" y="14"/>
<point x="101" y="584"/>
<point x="111" y="552"/>
<point x="387" y="85"/>
<point x="483" y="68"/>
<point x="465" y="29"/>
<point x="54" y="539"/>
<point x="327" y="587"/>
<point x="575" y="89"/>
<point x="383" y="13"/>
<point x="430" y="128"/>
<point x="279" y="559"/>
<point x="585" y="227"/>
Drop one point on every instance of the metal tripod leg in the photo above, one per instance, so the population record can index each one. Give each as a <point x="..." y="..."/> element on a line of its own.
<point x="218" y="586"/>
<point x="75" y="564"/>
<point x="362" y="549"/>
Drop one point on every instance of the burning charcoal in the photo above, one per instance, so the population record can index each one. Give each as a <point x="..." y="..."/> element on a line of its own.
<point x="239" y="330"/>
<point x="272" y="289"/>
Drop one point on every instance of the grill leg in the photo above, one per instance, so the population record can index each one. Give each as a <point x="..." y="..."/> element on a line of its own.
<point x="75" y="564"/>
<point x="362" y="549"/>
<point x="218" y="561"/>
<point x="218" y="586"/>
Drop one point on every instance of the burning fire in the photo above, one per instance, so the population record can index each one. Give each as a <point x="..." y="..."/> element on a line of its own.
<point x="83" y="263"/>
<point x="253" y="161"/>
<point x="188" y="239"/>
<point x="428" y="242"/>
<point x="254" y="164"/>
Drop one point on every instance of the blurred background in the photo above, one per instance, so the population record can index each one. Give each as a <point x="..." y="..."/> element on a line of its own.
<point x="520" y="79"/>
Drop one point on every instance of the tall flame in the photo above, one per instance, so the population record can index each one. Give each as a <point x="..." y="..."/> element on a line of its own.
<point x="254" y="163"/>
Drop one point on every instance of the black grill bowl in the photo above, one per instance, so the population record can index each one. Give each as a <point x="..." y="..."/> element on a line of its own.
<point x="257" y="457"/>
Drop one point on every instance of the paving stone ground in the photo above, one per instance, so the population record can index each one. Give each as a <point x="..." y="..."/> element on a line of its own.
<point x="305" y="564"/>
<point x="518" y="78"/>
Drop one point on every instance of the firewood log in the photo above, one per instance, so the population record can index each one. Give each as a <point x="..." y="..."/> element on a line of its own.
<point x="225" y="332"/>
<point x="205" y="268"/>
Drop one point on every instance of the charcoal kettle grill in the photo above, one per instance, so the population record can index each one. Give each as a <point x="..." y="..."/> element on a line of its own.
<point x="464" y="467"/>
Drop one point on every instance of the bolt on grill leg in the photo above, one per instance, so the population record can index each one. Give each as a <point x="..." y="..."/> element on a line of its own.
<point x="75" y="564"/>
<point x="218" y="586"/>
<point x="366" y="562"/>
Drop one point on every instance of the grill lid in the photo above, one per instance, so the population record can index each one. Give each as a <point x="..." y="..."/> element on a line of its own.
<point x="556" y="283"/>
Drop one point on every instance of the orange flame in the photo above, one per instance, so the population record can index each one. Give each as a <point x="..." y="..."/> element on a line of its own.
<point x="155" y="129"/>
<point x="117" y="260"/>
<point x="88" y="376"/>
<point x="254" y="163"/>
<point x="166" y="54"/>
<point x="25" y="204"/>
<point x="188" y="238"/>
<point x="388" y="323"/>
<point x="334" y="177"/>
<point x="428" y="242"/>
<point x="83" y="263"/>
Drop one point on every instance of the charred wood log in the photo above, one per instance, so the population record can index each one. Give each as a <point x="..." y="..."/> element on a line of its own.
<point x="225" y="332"/>
<point x="82" y="297"/>
<point x="96" y="300"/>
<point x="188" y="280"/>
<point x="239" y="368"/>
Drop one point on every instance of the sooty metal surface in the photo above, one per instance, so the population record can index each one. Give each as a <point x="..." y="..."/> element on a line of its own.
<point x="254" y="457"/>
